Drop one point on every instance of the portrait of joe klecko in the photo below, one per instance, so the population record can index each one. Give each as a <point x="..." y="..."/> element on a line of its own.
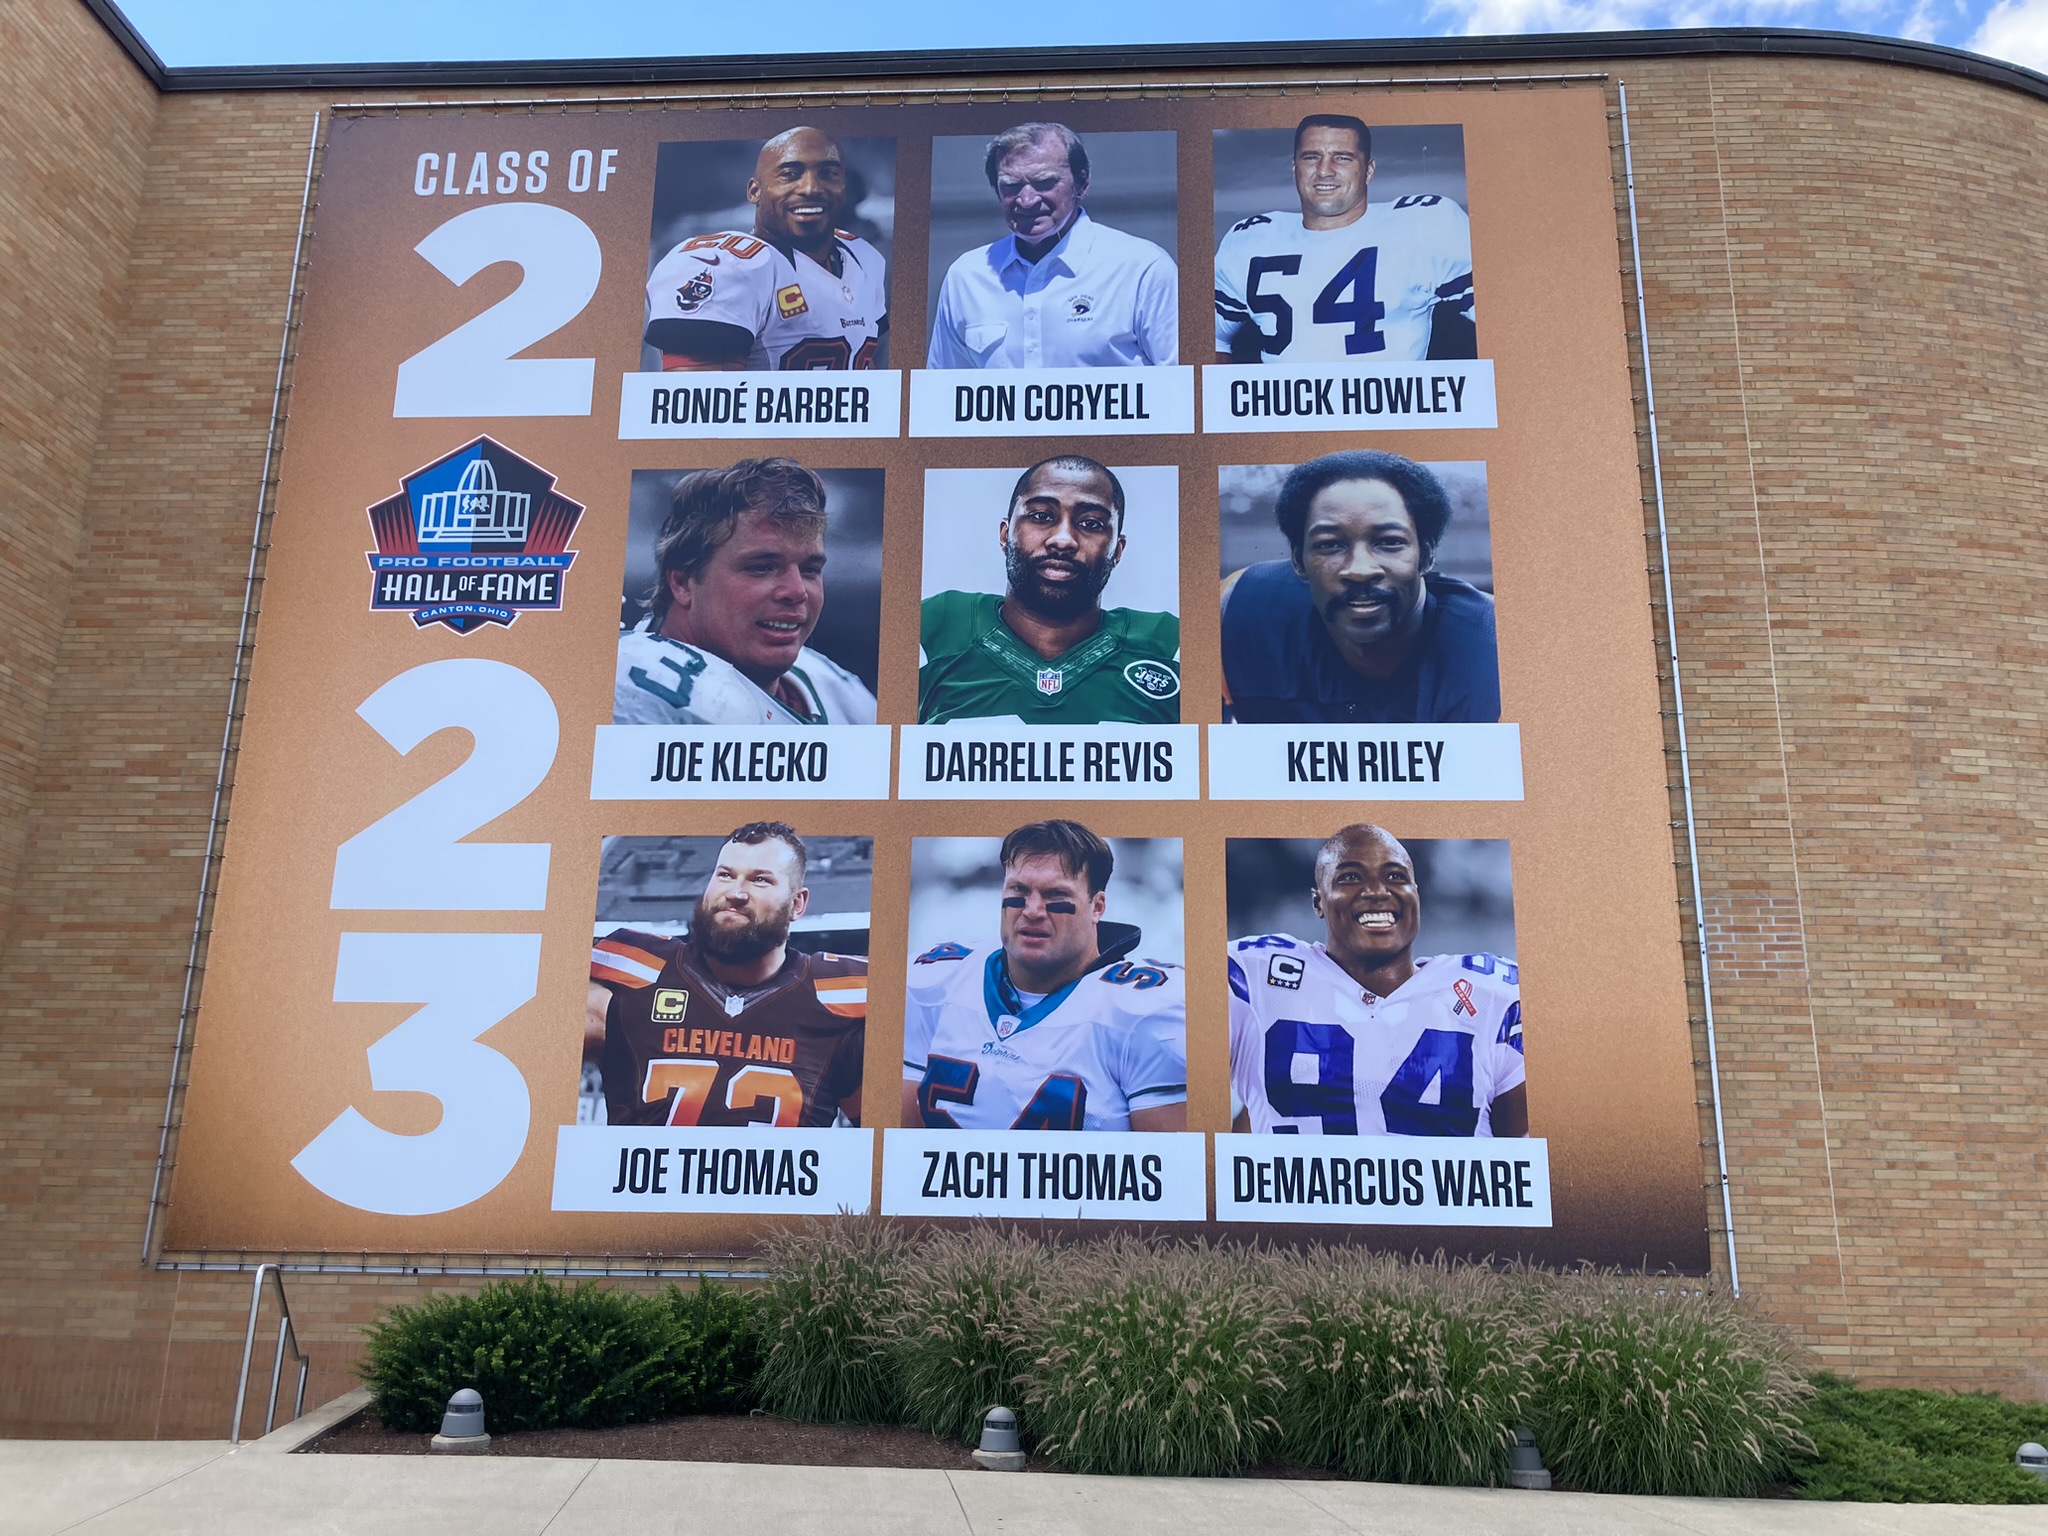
<point x="1357" y="589"/>
<point x="724" y="619"/>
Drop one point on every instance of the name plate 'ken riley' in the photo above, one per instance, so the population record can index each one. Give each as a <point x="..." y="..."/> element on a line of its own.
<point x="1390" y="1181"/>
<point x="847" y="403"/>
<point x="1355" y="397"/>
<point x="1056" y="1175"/>
<point x="784" y="1171"/>
<point x="1040" y="402"/>
<point x="740" y="762"/>
<point x="1365" y="762"/>
<point x="1005" y="760"/>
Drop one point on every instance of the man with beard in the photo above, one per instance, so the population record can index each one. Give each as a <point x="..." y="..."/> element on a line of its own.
<point x="1356" y="627"/>
<point x="1046" y="652"/>
<point x="797" y="293"/>
<point x="1354" y="1035"/>
<point x="731" y="1026"/>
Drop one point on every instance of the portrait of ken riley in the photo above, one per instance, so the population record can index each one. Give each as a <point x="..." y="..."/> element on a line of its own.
<point x="1357" y="589"/>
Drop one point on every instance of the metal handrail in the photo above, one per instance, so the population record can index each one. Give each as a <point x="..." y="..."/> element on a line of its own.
<point x="285" y="1330"/>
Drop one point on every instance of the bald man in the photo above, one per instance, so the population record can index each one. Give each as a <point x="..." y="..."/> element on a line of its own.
<point x="1353" y="1035"/>
<point x="794" y="293"/>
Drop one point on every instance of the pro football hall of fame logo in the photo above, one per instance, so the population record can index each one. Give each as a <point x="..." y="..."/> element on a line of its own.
<point x="477" y="537"/>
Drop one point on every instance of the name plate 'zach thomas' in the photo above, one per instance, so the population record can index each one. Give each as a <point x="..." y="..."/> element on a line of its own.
<point x="1365" y="762"/>
<point x="846" y="403"/>
<point x="1006" y="760"/>
<point x="740" y="762"/>
<point x="1058" y="1175"/>
<point x="767" y="1169"/>
<point x="1352" y="397"/>
<point x="1039" y="402"/>
<point x="1388" y="1181"/>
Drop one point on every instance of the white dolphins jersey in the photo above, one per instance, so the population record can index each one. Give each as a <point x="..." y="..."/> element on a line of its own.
<point x="802" y="317"/>
<point x="665" y="682"/>
<point x="987" y="1058"/>
<point x="1368" y="291"/>
<point x="1313" y="1052"/>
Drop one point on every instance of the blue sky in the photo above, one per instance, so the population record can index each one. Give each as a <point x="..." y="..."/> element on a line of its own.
<point x="204" y="32"/>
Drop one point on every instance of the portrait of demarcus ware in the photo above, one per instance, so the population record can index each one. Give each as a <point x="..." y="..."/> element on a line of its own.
<point x="1016" y="627"/>
<point x="1351" y="1033"/>
<point x="1363" y="250"/>
<point x="724" y="619"/>
<point x="1063" y="1023"/>
<point x="726" y="1000"/>
<point x="771" y="256"/>
<point x="1380" y="607"/>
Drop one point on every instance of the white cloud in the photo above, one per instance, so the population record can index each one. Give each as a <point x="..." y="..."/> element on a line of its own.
<point x="2015" y="30"/>
<point x="1483" y="17"/>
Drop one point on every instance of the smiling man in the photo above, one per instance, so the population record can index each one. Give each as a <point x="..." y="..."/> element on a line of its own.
<point x="797" y="292"/>
<point x="1046" y="652"/>
<point x="1355" y="1036"/>
<point x="1059" y="290"/>
<point x="740" y="586"/>
<point x="1356" y="627"/>
<point x="1054" y="1028"/>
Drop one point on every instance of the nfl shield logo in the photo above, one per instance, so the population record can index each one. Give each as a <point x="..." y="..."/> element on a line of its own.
<point x="1006" y="1026"/>
<point x="1051" y="680"/>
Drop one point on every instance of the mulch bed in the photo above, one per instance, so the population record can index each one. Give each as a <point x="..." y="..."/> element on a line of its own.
<point x="753" y="1438"/>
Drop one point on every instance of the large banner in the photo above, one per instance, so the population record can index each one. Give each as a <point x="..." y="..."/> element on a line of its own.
<point x="1084" y="661"/>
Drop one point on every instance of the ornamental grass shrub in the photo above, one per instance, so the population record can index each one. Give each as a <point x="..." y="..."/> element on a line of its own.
<point x="956" y="1334"/>
<point x="1403" y="1372"/>
<point x="1645" y="1386"/>
<point x="826" y="1325"/>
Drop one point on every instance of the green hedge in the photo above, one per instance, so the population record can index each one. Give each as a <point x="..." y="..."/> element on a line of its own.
<point x="1895" y="1446"/>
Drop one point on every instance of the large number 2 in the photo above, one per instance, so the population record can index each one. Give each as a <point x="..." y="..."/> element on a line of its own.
<point x="474" y="369"/>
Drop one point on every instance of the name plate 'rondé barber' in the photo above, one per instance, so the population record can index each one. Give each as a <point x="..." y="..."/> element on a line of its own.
<point x="1056" y="1175"/>
<point x="740" y="762"/>
<point x="1035" y="402"/>
<point x="1353" y="397"/>
<point x="1365" y="762"/>
<point x="846" y="403"/>
<point x="1003" y="760"/>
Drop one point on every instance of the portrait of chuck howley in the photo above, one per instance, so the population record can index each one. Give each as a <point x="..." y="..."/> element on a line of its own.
<point x="1046" y="989"/>
<point x="1357" y="589"/>
<point x="728" y="980"/>
<point x="752" y="596"/>
<point x="1051" y="594"/>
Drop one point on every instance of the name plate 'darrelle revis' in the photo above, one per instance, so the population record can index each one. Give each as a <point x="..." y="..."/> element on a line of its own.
<point x="1353" y="397"/>
<point x="691" y="403"/>
<point x="1057" y="1175"/>
<point x="1387" y="1181"/>
<point x="740" y="762"/>
<point x="766" y="1169"/>
<point x="1365" y="762"/>
<point x="1003" y="760"/>
<point x="1040" y="402"/>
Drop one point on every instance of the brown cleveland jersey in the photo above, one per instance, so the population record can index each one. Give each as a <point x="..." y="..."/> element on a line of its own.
<point x="681" y="1048"/>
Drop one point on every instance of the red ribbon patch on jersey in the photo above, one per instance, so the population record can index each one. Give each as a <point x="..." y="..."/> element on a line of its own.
<point x="1464" y="1004"/>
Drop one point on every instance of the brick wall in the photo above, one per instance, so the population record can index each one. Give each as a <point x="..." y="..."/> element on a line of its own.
<point x="1843" y="264"/>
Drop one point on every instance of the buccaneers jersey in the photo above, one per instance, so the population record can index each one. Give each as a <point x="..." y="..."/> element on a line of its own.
<point x="1313" y="1052"/>
<point x="660" y="681"/>
<point x="680" y="1048"/>
<point x="799" y="314"/>
<point x="987" y="1057"/>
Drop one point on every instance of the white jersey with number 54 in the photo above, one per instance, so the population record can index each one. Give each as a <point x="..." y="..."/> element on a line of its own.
<point x="1314" y="1053"/>
<point x="1369" y="291"/>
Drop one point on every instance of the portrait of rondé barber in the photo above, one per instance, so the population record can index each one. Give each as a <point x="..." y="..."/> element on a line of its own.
<point x="1358" y="589"/>
<point x="1054" y="250"/>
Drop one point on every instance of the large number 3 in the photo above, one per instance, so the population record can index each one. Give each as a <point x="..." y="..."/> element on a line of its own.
<point x="474" y="369"/>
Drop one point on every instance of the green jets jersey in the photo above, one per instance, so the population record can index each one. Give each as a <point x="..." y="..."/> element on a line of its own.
<point x="975" y="668"/>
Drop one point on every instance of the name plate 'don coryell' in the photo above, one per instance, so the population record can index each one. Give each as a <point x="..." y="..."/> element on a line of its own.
<point x="1388" y="1181"/>
<point x="1040" y="402"/>
<point x="1365" y="762"/>
<point x="1057" y="1175"/>
<point x="1004" y="760"/>
<point x="740" y="762"/>
<point x="860" y="403"/>
<point x="1355" y="397"/>
<point x="771" y="1170"/>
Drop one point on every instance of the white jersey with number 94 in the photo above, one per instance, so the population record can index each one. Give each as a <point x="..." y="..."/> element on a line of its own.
<point x="1368" y="291"/>
<point x="1314" y="1053"/>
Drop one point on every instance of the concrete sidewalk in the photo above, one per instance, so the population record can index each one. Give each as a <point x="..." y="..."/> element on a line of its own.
<point x="202" y="1488"/>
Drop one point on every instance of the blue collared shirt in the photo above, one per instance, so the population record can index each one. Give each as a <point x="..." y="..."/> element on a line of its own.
<point x="1098" y="299"/>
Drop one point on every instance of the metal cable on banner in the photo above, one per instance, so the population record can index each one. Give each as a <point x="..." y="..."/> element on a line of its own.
<point x="239" y="681"/>
<point x="1692" y="847"/>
